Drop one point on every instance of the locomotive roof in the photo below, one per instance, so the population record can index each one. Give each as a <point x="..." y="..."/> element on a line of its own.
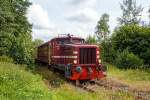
<point x="65" y="37"/>
<point x="57" y="38"/>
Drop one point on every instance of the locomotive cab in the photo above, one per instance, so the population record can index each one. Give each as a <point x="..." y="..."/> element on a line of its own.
<point x="78" y="60"/>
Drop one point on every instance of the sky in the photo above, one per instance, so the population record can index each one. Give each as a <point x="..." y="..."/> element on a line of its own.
<point x="78" y="17"/>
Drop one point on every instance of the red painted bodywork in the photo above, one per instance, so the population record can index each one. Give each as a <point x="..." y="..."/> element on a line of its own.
<point x="59" y="54"/>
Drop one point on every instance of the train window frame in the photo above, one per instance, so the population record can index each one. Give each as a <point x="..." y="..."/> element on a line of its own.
<point x="62" y="41"/>
<point x="72" y="41"/>
<point x="81" y="41"/>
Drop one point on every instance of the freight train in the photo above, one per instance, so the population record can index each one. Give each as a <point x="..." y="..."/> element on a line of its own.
<point x="78" y="60"/>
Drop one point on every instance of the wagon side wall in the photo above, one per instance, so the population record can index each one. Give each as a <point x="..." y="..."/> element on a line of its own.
<point x="43" y="53"/>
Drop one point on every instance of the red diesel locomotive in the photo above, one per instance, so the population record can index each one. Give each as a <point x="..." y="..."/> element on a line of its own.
<point x="78" y="60"/>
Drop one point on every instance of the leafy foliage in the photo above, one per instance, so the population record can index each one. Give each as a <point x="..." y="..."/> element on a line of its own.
<point x="15" y="31"/>
<point x="108" y="53"/>
<point x="102" y="28"/>
<point x="36" y="43"/>
<point x="134" y="38"/>
<point x="126" y="60"/>
<point x="131" y="12"/>
<point x="91" y="40"/>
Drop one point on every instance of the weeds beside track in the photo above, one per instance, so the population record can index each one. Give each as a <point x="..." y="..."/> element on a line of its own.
<point x="108" y="84"/>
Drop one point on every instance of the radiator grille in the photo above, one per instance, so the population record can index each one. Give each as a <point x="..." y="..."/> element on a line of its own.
<point x="87" y="56"/>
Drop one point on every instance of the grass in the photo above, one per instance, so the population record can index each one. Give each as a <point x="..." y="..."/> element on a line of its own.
<point x="67" y="92"/>
<point x="135" y="78"/>
<point x="61" y="90"/>
<point x="18" y="84"/>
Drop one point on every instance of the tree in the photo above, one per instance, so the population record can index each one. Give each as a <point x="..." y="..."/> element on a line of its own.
<point x="15" y="31"/>
<point x="135" y="38"/>
<point x="131" y="12"/>
<point x="108" y="53"/>
<point x="36" y="43"/>
<point x="102" y="28"/>
<point x="91" y="40"/>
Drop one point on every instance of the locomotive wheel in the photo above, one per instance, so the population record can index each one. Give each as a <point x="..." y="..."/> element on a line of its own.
<point x="49" y="67"/>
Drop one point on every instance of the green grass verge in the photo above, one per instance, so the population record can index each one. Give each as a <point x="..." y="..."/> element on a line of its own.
<point x="67" y="92"/>
<point x="18" y="84"/>
<point x="137" y="78"/>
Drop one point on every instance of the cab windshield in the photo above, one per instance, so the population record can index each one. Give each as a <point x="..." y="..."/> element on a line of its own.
<point x="71" y="41"/>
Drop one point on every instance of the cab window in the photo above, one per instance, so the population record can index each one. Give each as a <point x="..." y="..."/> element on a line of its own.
<point x="70" y="41"/>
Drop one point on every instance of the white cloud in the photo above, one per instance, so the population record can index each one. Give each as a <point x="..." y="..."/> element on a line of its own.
<point x="81" y="22"/>
<point x="87" y="3"/>
<point x="42" y="26"/>
<point x="83" y="11"/>
<point x="45" y="35"/>
<point x="145" y="16"/>
<point x="78" y="17"/>
<point x="85" y="15"/>
<point x="39" y="17"/>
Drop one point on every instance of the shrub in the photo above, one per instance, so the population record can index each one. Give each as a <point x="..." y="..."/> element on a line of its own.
<point x="108" y="53"/>
<point x="135" y="38"/>
<point x="126" y="60"/>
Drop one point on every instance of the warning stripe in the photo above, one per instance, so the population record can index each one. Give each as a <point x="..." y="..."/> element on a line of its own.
<point x="64" y="56"/>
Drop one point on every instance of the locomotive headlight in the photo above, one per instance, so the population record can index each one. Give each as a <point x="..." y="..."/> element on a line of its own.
<point x="97" y="56"/>
<point x="75" y="61"/>
<point x="75" y="52"/>
<point x="78" y="69"/>
<point x="99" y="61"/>
<point x="97" y="52"/>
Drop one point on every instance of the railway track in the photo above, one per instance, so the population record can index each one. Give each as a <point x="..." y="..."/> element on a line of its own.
<point x="109" y="84"/>
<point x="85" y="88"/>
<point x="114" y="86"/>
<point x="117" y="86"/>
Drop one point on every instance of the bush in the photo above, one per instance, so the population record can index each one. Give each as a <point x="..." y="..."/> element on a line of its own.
<point x="135" y="38"/>
<point x="126" y="60"/>
<point x="108" y="53"/>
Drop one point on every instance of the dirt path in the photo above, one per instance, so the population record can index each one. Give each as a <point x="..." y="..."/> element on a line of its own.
<point x="115" y="85"/>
